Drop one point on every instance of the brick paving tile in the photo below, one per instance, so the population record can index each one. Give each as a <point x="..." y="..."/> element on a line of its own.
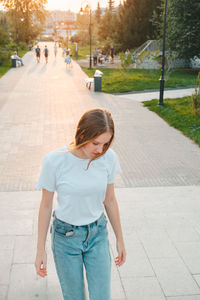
<point x="40" y="106"/>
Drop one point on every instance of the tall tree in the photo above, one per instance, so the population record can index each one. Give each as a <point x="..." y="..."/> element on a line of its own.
<point x="183" y="27"/>
<point x="25" y="17"/>
<point x="111" y="4"/>
<point x="4" y="36"/>
<point x="135" y="22"/>
<point x="106" y="27"/>
<point x="158" y="20"/>
<point x="98" y="13"/>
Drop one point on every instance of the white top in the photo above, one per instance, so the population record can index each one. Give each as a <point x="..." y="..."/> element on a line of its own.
<point x="80" y="191"/>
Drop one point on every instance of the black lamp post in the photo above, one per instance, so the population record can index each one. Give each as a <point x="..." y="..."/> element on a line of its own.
<point x="162" y="80"/>
<point x="90" y="34"/>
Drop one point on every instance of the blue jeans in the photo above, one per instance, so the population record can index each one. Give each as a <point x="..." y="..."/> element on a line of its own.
<point x="74" y="246"/>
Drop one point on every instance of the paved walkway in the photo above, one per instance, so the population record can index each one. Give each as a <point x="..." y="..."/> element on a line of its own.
<point x="148" y="95"/>
<point x="158" y="191"/>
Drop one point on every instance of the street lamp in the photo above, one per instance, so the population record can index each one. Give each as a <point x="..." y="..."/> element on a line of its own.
<point x="90" y="33"/>
<point x="162" y="80"/>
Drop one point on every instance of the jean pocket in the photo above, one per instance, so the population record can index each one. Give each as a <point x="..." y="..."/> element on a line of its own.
<point x="64" y="231"/>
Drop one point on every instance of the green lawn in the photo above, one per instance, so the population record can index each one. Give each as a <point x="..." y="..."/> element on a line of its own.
<point x="7" y="64"/>
<point x="179" y="114"/>
<point x="83" y="51"/>
<point x="3" y="70"/>
<point x="116" y="81"/>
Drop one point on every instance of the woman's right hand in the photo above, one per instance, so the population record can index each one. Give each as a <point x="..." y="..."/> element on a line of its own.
<point x="41" y="263"/>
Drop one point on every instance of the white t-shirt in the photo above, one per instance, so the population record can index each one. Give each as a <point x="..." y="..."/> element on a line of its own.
<point x="80" y="191"/>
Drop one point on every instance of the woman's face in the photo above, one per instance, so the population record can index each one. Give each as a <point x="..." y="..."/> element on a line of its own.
<point x="96" y="146"/>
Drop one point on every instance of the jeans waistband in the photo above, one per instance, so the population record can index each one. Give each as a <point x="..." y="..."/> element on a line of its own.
<point x="87" y="225"/>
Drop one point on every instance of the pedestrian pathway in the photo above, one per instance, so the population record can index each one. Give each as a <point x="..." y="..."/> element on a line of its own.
<point x="158" y="192"/>
<point x="148" y="95"/>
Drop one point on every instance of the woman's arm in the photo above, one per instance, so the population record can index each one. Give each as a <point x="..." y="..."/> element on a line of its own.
<point x="112" y="211"/>
<point x="43" y="225"/>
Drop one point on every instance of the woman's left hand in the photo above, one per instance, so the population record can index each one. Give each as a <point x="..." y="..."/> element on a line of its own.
<point x="121" y="258"/>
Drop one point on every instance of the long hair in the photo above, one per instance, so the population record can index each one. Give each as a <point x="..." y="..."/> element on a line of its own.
<point x="93" y="123"/>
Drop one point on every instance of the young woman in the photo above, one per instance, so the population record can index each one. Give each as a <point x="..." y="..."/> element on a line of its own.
<point x="83" y="177"/>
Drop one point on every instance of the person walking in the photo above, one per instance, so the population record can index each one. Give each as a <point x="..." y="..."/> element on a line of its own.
<point x="64" y="52"/>
<point x="55" y="49"/>
<point x="83" y="176"/>
<point x="46" y="53"/>
<point x="68" y="60"/>
<point x="37" y="53"/>
<point x="112" y="54"/>
<point x="95" y="56"/>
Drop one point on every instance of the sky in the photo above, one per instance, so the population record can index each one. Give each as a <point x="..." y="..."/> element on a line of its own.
<point x="74" y="5"/>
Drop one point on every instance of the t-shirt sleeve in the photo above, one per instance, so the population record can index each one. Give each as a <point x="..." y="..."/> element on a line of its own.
<point x="47" y="178"/>
<point x="114" y="168"/>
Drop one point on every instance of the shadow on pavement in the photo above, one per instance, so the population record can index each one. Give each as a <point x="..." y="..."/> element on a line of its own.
<point x="32" y="69"/>
<point x="69" y="72"/>
<point x="43" y="69"/>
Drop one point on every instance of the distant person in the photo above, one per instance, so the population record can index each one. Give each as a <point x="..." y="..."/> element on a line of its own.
<point x="112" y="54"/>
<point x="46" y="53"/>
<point x="37" y="53"/>
<point x="18" y="59"/>
<point x="64" y="52"/>
<point x="30" y="46"/>
<point x="68" y="60"/>
<point x="100" y="57"/>
<point x="55" y="49"/>
<point x="95" y="56"/>
<point x="127" y="52"/>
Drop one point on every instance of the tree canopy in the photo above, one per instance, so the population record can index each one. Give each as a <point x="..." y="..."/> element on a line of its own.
<point x="130" y="24"/>
<point x="25" y="16"/>
<point x="183" y="27"/>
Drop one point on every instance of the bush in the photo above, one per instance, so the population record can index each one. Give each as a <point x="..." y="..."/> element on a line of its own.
<point x="196" y="97"/>
<point x="22" y="45"/>
<point x="4" y="56"/>
<point x="126" y="60"/>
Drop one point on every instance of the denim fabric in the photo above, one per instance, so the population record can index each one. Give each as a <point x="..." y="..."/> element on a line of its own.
<point x="74" y="246"/>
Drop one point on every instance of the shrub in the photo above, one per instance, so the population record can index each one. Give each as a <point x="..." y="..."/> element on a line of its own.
<point x="126" y="60"/>
<point x="4" y="56"/>
<point x="22" y="45"/>
<point x="12" y="46"/>
<point x="196" y="97"/>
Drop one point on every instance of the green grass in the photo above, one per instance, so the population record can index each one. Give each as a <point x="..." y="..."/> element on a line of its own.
<point x="179" y="114"/>
<point x="3" y="70"/>
<point x="83" y="51"/>
<point x="117" y="81"/>
<point x="7" y="64"/>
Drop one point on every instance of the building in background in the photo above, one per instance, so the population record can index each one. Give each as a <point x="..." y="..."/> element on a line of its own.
<point x="60" y="24"/>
